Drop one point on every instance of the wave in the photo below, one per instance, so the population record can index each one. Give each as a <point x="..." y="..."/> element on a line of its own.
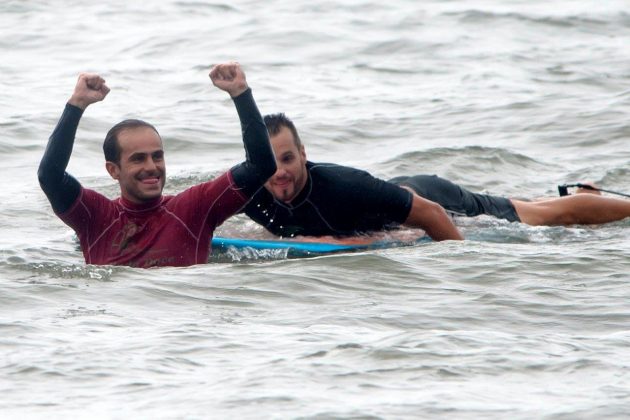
<point x="595" y="20"/>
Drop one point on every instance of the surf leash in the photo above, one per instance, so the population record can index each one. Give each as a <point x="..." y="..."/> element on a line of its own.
<point x="564" y="189"/>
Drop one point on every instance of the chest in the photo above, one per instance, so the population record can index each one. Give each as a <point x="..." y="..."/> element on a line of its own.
<point x="148" y="239"/>
<point x="310" y="217"/>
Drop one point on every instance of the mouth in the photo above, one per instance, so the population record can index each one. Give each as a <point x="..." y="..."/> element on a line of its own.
<point x="282" y="183"/>
<point x="152" y="180"/>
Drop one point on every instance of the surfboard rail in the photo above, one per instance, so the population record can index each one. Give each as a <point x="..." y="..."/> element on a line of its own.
<point x="312" y="246"/>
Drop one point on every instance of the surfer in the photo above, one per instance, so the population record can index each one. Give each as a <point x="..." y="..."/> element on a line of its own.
<point x="142" y="227"/>
<point x="316" y="199"/>
<point x="304" y="198"/>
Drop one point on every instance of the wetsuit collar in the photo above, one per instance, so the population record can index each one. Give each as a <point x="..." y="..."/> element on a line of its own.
<point x="146" y="206"/>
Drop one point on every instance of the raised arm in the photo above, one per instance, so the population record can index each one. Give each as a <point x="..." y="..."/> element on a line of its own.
<point x="432" y="218"/>
<point x="260" y="163"/>
<point x="60" y="187"/>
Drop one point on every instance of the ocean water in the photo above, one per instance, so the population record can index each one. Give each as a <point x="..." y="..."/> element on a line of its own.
<point x="506" y="97"/>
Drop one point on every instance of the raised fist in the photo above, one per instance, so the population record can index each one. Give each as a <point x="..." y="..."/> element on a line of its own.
<point x="229" y="77"/>
<point x="90" y="88"/>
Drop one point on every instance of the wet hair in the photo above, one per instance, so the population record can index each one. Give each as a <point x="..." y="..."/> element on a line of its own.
<point x="111" y="147"/>
<point x="275" y="122"/>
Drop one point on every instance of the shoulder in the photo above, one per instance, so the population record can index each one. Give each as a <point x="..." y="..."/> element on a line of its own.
<point x="91" y="208"/>
<point x="336" y="171"/>
<point x="216" y="185"/>
<point x="93" y="198"/>
<point x="343" y="182"/>
<point x="219" y="190"/>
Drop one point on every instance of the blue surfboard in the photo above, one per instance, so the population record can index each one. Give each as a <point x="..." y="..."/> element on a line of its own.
<point x="296" y="248"/>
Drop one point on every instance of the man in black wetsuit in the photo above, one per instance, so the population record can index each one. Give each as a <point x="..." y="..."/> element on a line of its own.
<point x="315" y="199"/>
<point x="304" y="198"/>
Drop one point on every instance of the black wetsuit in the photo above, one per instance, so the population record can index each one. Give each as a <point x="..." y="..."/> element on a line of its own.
<point x="339" y="200"/>
<point x="336" y="200"/>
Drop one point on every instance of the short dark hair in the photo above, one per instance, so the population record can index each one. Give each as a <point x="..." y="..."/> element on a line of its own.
<point x="275" y="122"/>
<point x="111" y="148"/>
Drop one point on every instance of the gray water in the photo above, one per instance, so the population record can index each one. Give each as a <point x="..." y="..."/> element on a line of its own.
<point x="506" y="97"/>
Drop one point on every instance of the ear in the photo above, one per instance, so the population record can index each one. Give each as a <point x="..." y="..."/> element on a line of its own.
<point x="113" y="169"/>
<point x="302" y="152"/>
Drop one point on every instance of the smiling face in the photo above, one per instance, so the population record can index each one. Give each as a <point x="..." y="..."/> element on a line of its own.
<point x="141" y="171"/>
<point x="291" y="175"/>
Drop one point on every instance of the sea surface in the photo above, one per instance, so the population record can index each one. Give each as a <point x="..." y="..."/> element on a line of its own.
<point x="508" y="97"/>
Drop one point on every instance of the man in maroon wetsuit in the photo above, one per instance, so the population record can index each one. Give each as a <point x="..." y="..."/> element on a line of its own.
<point x="143" y="228"/>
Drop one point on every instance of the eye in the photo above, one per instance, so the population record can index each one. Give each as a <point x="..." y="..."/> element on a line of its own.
<point x="287" y="158"/>
<point x="158" y="156"/>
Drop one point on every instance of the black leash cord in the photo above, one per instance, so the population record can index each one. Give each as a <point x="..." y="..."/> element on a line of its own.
<point x="563" y="189"/>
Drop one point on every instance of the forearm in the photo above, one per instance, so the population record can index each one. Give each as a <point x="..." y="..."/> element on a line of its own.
<point x="260" y="163"/>
<point x="60" y="188"/>
<point x="432" y="218"/>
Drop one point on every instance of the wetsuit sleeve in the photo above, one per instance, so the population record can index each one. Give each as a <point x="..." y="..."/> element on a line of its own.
<point x="60" y="187"/>
<point x="260" y="163"/>
<point x="386" y="199"/>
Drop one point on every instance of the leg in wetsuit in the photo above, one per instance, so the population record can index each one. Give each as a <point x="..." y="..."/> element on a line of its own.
<point x="457" y="200"/>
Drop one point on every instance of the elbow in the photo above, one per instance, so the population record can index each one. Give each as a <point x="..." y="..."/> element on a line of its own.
<point x="265" y="168"/>
<point x="432" y="218"/>
<point x="269" y="171"/>
<point x="41" y="176"/>
<point x="48" y="177"/>
<point x="262" y="173"/>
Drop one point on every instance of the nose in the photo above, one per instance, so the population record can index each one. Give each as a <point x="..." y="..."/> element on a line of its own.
<point x="280" y="172"/>
<point x="149" y="164"/>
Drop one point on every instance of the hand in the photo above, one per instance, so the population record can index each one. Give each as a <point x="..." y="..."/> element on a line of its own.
<point x="90" y="88"/>
<point x="229" y="77"/>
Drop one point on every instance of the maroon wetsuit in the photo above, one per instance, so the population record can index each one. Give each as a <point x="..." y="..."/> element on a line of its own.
<point x="168" y="231"/>
<point x="171" y="230"/>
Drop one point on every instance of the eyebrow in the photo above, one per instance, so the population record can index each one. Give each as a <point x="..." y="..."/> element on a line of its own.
<point x="143" y="154"/>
